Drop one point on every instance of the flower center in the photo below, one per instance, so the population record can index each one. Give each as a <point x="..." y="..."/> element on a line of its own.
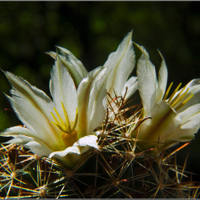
<point x="69" y="134"/>
<point x="178" y="99"/>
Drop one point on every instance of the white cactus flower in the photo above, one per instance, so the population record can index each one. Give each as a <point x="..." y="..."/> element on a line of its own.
<point x="120" y="64"/>
<point x="169" y="120"/>
<point x="61" y="127"/>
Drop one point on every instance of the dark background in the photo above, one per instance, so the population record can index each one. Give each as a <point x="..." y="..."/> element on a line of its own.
<point x="92" y="30"/>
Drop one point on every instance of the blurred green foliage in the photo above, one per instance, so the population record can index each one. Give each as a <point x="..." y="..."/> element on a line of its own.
<point x="91" y="30"/>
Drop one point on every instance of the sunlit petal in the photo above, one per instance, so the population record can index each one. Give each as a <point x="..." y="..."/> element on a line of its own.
<point x="193" y="88"/>
<point x="33" y="108"/>
<point x="122" y="62"/>
<point x="147" y="83"/>
<point x="74" y="153"/>
<point x="27" y="138"/>
<point x="63" y="90"/>
<point x="91" y="94"/>
<point x="162" y="81"/>
<point x="130" y="87"/>
<point x="73" y="65"/>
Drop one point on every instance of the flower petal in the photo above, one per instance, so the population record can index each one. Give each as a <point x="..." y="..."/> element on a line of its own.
<point x="191" y="118"/>
<point x="194" y="89"/>
<point x="147" y="81"/>
<point x="17" y="130"/>
<point x="162" y="80"/>
<point x="63" y="90"/>
<point x="28" y="139"/>
<point x="91" y="93"/>
<point x="38" y="148"/>
<point x="71" y="155"/>
<point x="122" y="62"/>
<point x="90" y="140"/>
<point x="130" y="87"/>
<point x="73" y="65"/>
<point x="22" y="87"/>
<point x="33" y="107"/>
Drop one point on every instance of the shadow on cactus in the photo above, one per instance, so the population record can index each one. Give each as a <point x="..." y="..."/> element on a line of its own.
<point x="90" y="139"/>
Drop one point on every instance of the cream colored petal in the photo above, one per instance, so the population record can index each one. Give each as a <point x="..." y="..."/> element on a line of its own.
<point x="25" y="137"/>
<point x="96" y="111"/>
<point x="71" y="155"/>
<point x="33" y="108"/>
<point x="18" y="130"/>
<point x="130" y="87"/>
<point x="194" y="89"/>
<point x="91" y="93"/>
<point x="182" y="134"/>
<point x="19" y="139"/>
<point x="74" y="62"/>
<point x="162" y="80"/>
<point x="122" y="62"/>
<point x="190" y="119"/>
<point x="147" y="81"/>
<point x="90" y="140"/>
<point x="63" y="90"/>
<point x="73" y="65"/>
<point x="22" y="87"/>
<point x="38" y="148"/>
<point x="162" y="121"/>
<point x="193" y="123"/>
<point x="189" y="112"/>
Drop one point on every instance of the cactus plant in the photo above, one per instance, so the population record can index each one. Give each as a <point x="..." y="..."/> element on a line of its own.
<point x="87" y="141"/>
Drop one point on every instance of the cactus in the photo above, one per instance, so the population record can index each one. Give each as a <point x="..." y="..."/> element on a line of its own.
<point x="121" y="162"/>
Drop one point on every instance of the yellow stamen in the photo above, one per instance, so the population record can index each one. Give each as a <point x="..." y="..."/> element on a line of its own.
<point x="69" y="134"/>
<point x="66" y="118"/>
<point x="76" y="120"/>
<point x="167" y="92"/>
<point x="171" y="97"/>
<point x="58" y="126"/>
<point x="59" y="117"/>
<point x="178" y="98"/>
<point x="184" y="102"/>
<point x="54" y="118"/>
<point x="175" y="99"/>
<point x="59" y="123"/>
<point x="182" y="90"/>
